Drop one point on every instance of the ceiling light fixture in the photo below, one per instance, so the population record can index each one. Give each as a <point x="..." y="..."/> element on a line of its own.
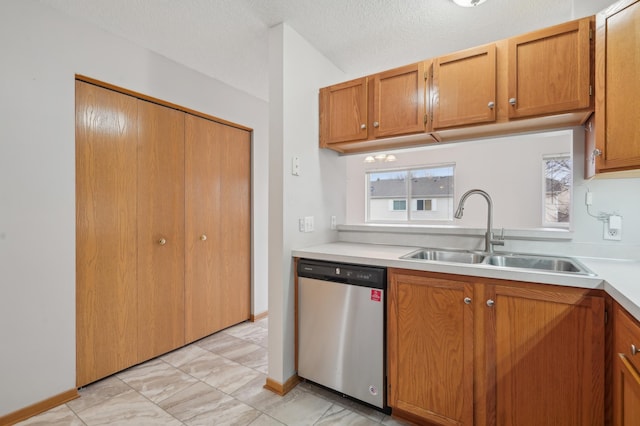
<point x="380" y="157"/>
<point x="468" y="3"/>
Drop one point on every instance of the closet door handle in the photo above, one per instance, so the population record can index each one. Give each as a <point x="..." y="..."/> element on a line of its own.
<point x="203" y="237"/>
<point x="162" y="241"/>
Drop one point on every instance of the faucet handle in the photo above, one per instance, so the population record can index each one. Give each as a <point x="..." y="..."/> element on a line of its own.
<point x="501" y="237"/>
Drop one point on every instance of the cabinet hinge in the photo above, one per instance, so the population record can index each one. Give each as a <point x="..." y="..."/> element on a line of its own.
<point x="590" y="33"/>
<point x="590" y="90"/>
<point x="426" y="75"/>
<point x="426" y="118"/>
<point x="606" y="316"/>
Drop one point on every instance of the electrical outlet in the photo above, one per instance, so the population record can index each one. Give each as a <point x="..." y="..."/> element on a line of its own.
<point x="301" y="225"/>
<point x="613" y="233"/>
<point x="334" y="223"/>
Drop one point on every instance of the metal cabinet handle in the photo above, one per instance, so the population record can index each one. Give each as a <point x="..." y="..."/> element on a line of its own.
<point x="162" y="241"/>
<point x="490" y="303"/>
<point x="467" y="300"/>
<point x="363" y="126"/>
<point x="491" y="105"/>
<point x="203" y="237"/>
<point x="376" y="124"/>
<point x="512" y="101"/>
<point x="634" y="350"/>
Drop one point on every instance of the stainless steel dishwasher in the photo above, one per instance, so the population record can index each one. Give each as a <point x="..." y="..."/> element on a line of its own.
<point x="341" y="328"/>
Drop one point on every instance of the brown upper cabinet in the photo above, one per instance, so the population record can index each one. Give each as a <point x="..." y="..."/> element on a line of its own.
<point x="537" y="81"/>
<point x="550" y="70"/>
<point x="617" y="88"/>
<point x="399" y="101"/>
<point x="358" y="115"/>
<point x="344" y="112"/>
<point x="464" y="88"/>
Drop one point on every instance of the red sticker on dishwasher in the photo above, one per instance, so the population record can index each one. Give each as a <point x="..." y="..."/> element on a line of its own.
<point x="376" y="295"/>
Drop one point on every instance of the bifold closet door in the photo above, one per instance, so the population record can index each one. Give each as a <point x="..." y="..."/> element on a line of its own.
<point x="106" y="295"/>
<point x="217" y="201"/>
<point x="160" y="229"/>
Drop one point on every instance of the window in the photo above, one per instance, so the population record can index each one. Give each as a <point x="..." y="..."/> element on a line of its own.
<point x="557" y="177"/>
<point x="399" y="205"/>
<point x="429" y="205"/>
<point x="427" y="190"/>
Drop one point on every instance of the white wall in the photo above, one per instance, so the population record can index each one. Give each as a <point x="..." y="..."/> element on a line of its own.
<point x="42" y="50"/>
<point x="508" y="168"/>
<point x="297" y="71"/>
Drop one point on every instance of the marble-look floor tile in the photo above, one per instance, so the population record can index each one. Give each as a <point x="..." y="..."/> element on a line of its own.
<point x="196" y="403"/>
<point x="156" y="379"/>
<point x="229" y="376"/>
<point x="58" y="416"/>
<point x="257" y="359"/>
<point x="390" y="421"/>
<point x="230" y="412"/>
<point x="183" y="356"/>
<point x="98" y="392"/>
<point x="337" y="415"/>
<point x="127" y="409"/>
<point x="254" y="394"/>
<point x="298" y="408"/>
<point x="265" y="420"/>
<point x="250" y="333"/>
<point x="221" y="343"/>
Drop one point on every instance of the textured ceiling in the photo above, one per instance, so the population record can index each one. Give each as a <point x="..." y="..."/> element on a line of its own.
<point x="228" y="39"/>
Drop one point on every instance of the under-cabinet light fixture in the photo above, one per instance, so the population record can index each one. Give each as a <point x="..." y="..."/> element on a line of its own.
<point x="468" y="3"/>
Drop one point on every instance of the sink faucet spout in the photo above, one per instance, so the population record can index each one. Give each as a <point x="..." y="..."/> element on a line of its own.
<point x="489" y="240"/>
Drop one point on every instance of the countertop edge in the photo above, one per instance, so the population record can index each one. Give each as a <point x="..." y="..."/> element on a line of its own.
<point x="613" y="276"/>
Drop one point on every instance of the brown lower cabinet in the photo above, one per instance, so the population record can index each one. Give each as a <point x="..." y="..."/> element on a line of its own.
<point x="473" y="351"/>
<point x="162" y="229"/>
<point x="626" y="369"/>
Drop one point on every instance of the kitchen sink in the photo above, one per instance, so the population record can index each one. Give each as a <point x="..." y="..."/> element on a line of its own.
<point x="503" y="260"/>
<point x="456" y="256"/>
<point x="545" y="263"/>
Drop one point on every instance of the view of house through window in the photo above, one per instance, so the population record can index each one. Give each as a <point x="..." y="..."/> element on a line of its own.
<point x="407" y="195"/>
<point x="557" y="190"/>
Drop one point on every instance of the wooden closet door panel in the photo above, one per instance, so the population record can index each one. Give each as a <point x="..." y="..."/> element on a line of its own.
<point x="202" y="234"/>
<point x="106" y="298"/>
<point x="160" y="229"/>
<point x="217" y="202"/>
<point x="235" y="222"/>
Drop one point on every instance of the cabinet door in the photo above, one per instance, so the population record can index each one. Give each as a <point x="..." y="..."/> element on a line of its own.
<point x="464" y="88"/>
<point x="626" y="364"/>
<point x="618" y="87"/>
<point x="550" y="70"/>
<point x="548" y="355"/>
<point x="344" y="112"/>
<point x="217" y="234"/>
<point x="106" y="297"/>
<point x="160" y="229"/>
<point x="399" y="101"/>
<point x="430" y="348"/>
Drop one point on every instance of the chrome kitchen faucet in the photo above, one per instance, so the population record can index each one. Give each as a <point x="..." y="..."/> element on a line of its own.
<point x="489" y="240"/>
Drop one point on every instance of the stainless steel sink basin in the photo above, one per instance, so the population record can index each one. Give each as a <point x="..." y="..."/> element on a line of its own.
<point x="545" y="263"/>
<point x="503" y="260"/>
<point x="443" y="255"/>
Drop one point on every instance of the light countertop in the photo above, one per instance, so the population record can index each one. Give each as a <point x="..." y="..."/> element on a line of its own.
<point x="619" y="278"/>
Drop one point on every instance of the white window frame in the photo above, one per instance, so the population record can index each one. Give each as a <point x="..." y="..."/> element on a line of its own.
<point x="545" y="222"/>
<point x="410" y="202"/>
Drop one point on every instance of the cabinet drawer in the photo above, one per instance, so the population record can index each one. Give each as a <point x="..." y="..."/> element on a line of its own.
<point x="627" y="334"/>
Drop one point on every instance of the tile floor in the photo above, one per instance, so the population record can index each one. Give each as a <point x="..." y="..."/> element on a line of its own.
<point x="215" y="381"/>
